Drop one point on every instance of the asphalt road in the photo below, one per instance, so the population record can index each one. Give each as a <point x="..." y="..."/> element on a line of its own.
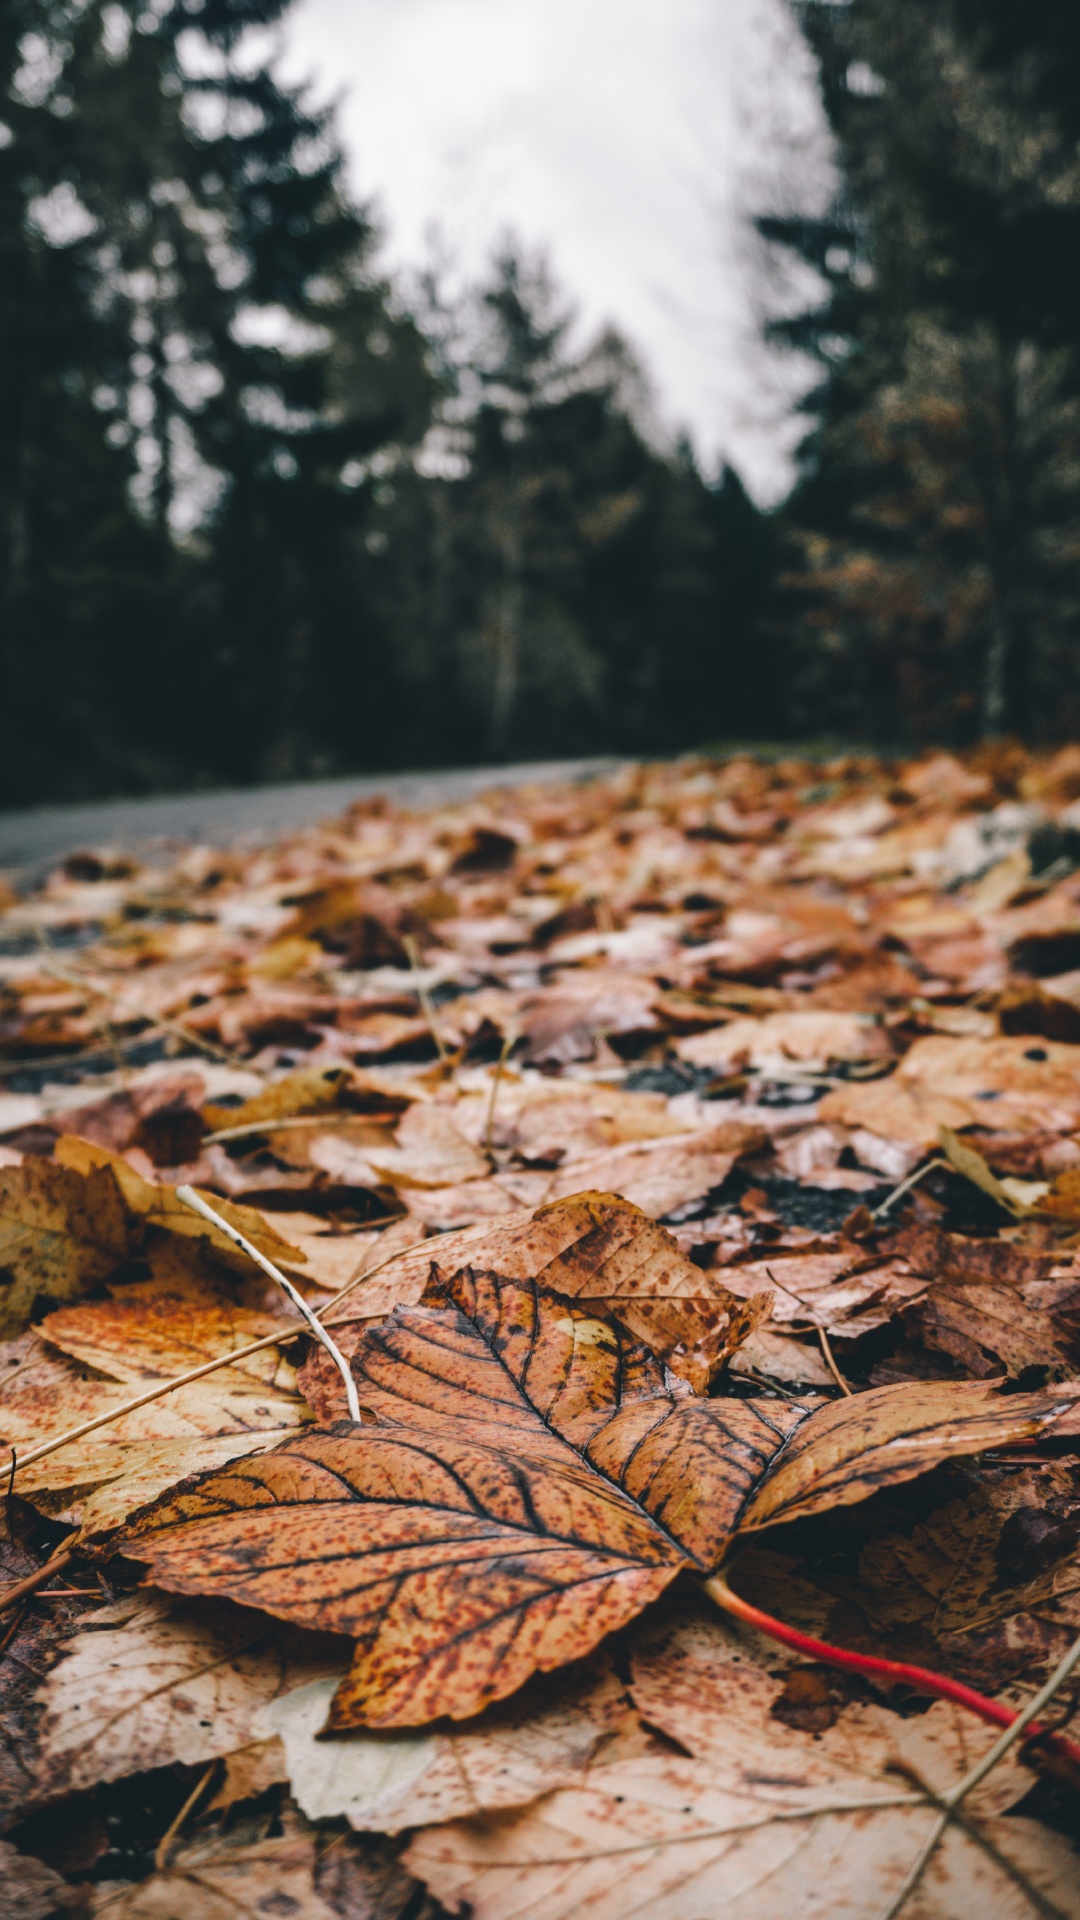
<point x="32" y="839"/>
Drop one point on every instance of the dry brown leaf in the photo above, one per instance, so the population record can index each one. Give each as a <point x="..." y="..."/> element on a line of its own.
<point x="139" y="1338"/>
<point x="235" y="1873"/>
<point x="759" y="1821"/>
<point x="60" y="1234"/>
<point x="431" y="1152"/>
<point x="32" y="1891"/>
<point x="1063" y="1199"/>
<point x="1003" y="1544"/>
<point x="810" y="1039"/>
<point x="1015" y="1082"/>
<point x="660" y="1176"/>
<point x="528" y="1485"/>
<point x="151" y="1682"/>
<point x="914" y="1114"/>
<point x="548" y="1736"/>
<point x="310" y="1090"/>
<point x="988" y="1330"/>
<point x="595" y="1247"/>
<point x="158" y="1206"/>
<point x="104" y="1476"/>
<point x="218" y="1882"/>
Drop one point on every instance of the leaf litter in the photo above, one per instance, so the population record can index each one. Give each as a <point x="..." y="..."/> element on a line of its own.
<point x="686" y="1165"/>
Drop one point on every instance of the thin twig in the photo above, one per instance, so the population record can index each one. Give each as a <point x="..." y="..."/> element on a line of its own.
<point x="488" y="1130"/>
<point x="409" y="945"/>
<point x="328" y="1118"/>
<point x="906" y="1186"/>
<point x="12" y="1627"/>
<point x="198" y="1205"/>
<point x="950" y="1800"/>
<point x="40" y="1578"/>
<point x="164" y="1845"/>
<point x="163" y="1020"/>
<point x="282" y="1339"/>
<point x="830" y="1362"/>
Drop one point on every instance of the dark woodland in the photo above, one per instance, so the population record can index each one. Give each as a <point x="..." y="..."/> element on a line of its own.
<point x="264" y="516"/>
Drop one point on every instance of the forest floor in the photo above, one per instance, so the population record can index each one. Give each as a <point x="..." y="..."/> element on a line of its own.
<point x="540" y="1356"/>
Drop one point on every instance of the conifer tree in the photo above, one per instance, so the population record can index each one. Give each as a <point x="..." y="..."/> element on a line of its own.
<point x="939" y="516"/>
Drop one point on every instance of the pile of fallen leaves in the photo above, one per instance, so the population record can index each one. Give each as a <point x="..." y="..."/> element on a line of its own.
<point x="687" y="1165"/>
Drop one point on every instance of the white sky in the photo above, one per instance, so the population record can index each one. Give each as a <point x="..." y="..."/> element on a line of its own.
<point x="624" y="137"/>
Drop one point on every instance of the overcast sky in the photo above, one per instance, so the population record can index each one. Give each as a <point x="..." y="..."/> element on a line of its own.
<point x="625" y="137"/>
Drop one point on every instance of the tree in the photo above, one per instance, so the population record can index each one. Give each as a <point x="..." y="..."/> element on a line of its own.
<point x="938" y="519"/>
<point x="192" y="270"/>
<point x="570" y="593"/>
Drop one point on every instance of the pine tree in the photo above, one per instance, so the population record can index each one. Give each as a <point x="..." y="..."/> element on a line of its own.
<point x="568" y="591"/>
<point x="939" y="516"/>
<point x="220" y="316"/>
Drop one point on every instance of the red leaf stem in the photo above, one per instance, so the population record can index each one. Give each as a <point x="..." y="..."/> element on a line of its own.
<point x="922" y="1679"/>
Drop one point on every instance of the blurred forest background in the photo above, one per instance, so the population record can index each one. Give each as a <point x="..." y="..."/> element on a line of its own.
<point x="265" y="517"/>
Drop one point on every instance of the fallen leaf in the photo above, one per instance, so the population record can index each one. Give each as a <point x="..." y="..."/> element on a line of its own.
<point x="1002" y="1544"/>
<point x="988" y="1330"/>
<point x="60" y="1234"/>
<point x="759" y="1819"/>
<point x="528" y="1486"/>
<point x="914" y="1114"/>
<point x="138" y="1339"/>
<point x="158" y="1206"/>
<point x="310" y="1090"/>
<point x="660" y="1176"/>
<point x="32" y="1891"/>
<point x="544" y="1738"/>
<point x="592" y="1246"/>
<point x="151" y="1682"/>
<point x="102" y="1477"/>
<point x="216" y="1881"/>
<point x="1026" y="1084"/>
<point x="431" y="1152"/>
<point x="967" y="1161"/>
<point x="811" y="1039"/>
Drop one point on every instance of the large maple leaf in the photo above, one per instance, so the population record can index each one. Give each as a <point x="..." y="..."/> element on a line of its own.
<point x="524" y="1483"/>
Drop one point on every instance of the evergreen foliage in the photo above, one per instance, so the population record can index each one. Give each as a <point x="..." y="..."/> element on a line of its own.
<point x="936" y="528"/>
<point x="258" y="521"/>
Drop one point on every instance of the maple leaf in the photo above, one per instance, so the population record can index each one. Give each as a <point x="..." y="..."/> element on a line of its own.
<point x="526" y="1486"/>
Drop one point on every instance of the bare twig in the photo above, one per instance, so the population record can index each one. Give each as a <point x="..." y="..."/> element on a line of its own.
<point x="40" y="1578"/>
<point x="162" y="1020"/>
<point x="905" y="1186"/>
<point x="164" y="1845"/>
<point x="198" y="1205"/>
<point x="830" y="1362"/>
<point x="409" y="945"/>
